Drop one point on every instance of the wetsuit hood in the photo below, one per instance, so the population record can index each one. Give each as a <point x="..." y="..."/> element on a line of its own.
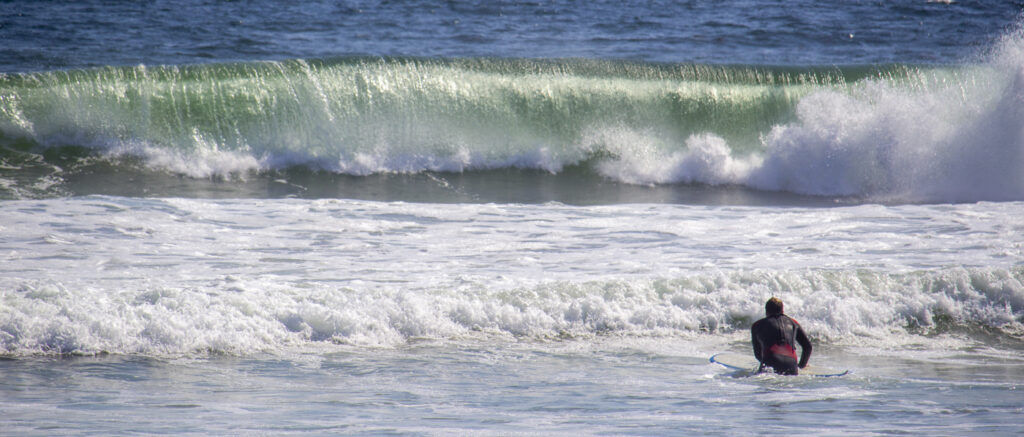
<point x="773" y="307"/>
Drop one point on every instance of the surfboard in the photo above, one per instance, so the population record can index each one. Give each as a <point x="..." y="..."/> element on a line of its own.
<point x="745" y="365"/>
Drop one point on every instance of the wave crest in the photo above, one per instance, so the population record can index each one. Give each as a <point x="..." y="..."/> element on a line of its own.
<point x="889" y="134"/>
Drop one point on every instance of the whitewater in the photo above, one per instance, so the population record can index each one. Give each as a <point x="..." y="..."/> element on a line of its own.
<point x="182" y="277"/>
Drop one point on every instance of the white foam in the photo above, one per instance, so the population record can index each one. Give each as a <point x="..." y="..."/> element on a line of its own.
<point x="640" y="160"/>
<point x="961" y="140"/>
<point x="947" y="142"/>
<point x="271" y="314"/>
<point x="187" y="277"/>
<point x="203" y="160"/>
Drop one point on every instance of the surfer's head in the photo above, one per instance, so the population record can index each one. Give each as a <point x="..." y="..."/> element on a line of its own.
<point x="773" y="306"/>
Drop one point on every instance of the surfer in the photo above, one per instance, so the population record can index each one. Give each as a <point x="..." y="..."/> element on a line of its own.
<point x="775" y="338"/>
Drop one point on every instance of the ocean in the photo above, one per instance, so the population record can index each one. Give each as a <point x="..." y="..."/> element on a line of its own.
<point x="508" y="218"/>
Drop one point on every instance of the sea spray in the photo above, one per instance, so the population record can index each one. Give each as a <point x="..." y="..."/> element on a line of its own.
<point x="957" y="141"/>
<point x="929" y="136"/>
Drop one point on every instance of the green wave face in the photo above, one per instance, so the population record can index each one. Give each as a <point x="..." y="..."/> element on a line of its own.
<point x="867" y="131"/>
<point x="326" y="111"/>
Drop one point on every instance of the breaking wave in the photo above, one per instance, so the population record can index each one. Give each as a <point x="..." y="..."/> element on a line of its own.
<point x="895" y="133"/>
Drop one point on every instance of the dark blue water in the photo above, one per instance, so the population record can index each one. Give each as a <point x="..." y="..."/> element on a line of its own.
<point x="47" y="35"/>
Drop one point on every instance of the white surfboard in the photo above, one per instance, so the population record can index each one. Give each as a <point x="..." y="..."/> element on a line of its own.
<point x="746" y="365"/>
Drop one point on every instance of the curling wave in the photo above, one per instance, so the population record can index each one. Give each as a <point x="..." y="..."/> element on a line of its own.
<point x="897" y="133"/>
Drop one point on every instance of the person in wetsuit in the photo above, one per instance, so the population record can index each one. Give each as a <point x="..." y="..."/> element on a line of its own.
<point x="775" y="338"/>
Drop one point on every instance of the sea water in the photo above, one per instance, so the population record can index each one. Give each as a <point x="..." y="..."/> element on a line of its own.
<point x="504" y="218"/>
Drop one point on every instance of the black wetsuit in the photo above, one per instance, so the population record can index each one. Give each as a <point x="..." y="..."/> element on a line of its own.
<point x="775" y="338"/>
